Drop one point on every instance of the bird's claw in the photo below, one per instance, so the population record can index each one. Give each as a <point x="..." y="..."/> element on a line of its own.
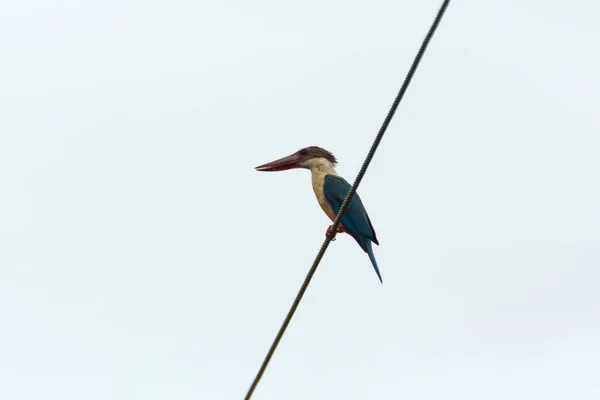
<point x="330" y="234"/>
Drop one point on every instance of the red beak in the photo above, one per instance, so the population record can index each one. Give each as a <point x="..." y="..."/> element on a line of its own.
<point x="282" y="164"/>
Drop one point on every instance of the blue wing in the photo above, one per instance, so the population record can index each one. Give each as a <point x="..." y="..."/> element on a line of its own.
<point x="355" y="221"/>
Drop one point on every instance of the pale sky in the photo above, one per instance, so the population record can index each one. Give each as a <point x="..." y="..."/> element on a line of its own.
<point x="142" y="257"/>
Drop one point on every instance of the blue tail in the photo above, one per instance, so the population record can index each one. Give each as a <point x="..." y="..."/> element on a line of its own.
<point x="372" y="257"/>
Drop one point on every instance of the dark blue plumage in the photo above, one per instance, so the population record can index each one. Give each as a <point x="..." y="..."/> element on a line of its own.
<point x="355" y="221"/>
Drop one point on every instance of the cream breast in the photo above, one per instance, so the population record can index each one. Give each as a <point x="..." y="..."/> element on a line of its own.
<point x="319" y="168"/>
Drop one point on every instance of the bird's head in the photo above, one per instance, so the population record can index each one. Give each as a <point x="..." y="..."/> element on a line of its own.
<point x="303" y="158"/>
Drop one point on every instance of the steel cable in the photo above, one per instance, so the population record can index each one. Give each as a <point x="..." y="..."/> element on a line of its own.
<point x="332" y="232"/>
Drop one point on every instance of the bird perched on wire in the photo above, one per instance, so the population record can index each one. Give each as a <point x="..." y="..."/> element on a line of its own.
<point x="331" y="189"/>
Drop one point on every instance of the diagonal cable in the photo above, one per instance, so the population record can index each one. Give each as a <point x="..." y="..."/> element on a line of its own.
<point x="332" y="232"/>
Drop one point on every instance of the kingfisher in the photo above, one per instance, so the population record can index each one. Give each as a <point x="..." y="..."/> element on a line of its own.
<point x="331" y="189"/>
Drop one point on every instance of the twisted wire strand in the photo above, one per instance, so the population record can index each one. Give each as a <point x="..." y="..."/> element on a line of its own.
<point x="332" y="232"/>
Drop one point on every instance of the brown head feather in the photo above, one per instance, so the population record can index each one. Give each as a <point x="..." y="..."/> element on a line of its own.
<point x="317" y="152"/>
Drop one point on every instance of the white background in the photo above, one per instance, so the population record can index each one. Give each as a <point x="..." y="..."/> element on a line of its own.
<point x="142" y="257"/>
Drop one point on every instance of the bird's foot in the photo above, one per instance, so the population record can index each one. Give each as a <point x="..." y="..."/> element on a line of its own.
<point x="330" y="234"/>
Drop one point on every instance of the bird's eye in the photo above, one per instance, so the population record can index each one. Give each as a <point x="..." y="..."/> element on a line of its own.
<point x="303" y="152"/>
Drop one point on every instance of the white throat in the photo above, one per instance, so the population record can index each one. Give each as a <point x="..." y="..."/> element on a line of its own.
<point x="320" y="166"/>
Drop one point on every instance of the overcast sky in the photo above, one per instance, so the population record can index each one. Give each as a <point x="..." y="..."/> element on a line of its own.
<point x="142" y="257"/>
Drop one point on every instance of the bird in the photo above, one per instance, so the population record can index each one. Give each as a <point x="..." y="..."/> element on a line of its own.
<point x="330" y="190"/>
